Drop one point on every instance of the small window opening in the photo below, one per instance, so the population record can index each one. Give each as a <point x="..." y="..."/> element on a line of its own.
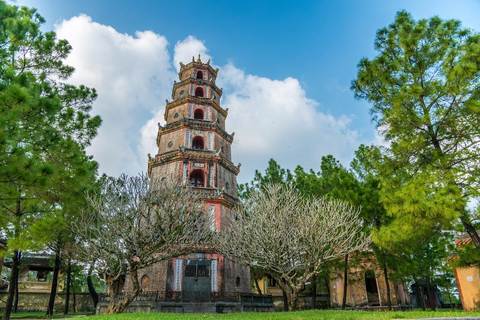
<point x="199" y="75"/>
<point x="237" y="281"/>
<point x="198" y="114"/>
<point x="199" y="92"/>
<point x="196" y="179"/>
<point x="197" y="143"/>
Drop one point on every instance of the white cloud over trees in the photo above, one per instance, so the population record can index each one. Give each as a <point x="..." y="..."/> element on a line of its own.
<point x="134" y="75"/>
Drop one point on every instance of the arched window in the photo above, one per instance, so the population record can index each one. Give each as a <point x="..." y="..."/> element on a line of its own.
<point x="197" y="143"/>
<point x="196" y="179"/>
<point x="199" y="75"/>
<point x="199" y="92"/>
<point x="198" y="114"/>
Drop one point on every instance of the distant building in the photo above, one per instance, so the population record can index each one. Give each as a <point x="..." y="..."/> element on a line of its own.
<point x="366" y="287"/>
<point x="468" y="278"/>
<point x="33" y="272"/>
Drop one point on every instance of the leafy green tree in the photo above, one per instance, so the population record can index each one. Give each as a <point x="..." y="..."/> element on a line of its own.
<point x="44" y="128"/>
<point x="274" y="173"/>
<point x="424" y="86"/>
<point x="373" y="211"/>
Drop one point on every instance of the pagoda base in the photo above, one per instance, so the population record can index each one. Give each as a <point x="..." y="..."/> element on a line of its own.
<point x="151" y="302"/>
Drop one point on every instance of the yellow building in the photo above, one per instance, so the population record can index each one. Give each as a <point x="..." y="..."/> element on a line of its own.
<point x="468" y="280"/>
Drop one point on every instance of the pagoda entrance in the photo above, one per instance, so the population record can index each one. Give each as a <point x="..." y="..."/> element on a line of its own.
<point x="196" y="281"/>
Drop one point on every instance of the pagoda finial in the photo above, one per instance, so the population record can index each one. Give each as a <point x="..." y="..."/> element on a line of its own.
<point x="198" y="60"/>
<point x="208" y="62"/>
<point x="193" y="58"/>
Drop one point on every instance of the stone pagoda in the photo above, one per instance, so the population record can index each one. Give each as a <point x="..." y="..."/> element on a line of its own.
<point x="194" y="148"/>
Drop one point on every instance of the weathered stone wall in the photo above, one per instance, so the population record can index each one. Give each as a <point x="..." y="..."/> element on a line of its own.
<point x="236" y="277"/>
<point x="39" y="302"/>
<point x="224" y="176"/>
<point x="152" y="278"/>
<point x="176" y="138"/>
<point x="168" y="170"/>
<point x="219" y="143"/>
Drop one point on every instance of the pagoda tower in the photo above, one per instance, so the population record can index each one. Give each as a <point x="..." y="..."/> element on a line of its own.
<point x="194" y="148"/>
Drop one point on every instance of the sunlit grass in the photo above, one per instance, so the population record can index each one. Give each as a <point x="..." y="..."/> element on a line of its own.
<point x="301" y="315"/>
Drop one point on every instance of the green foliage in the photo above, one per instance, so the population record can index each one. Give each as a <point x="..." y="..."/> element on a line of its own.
<point x="44" y="128"/>
<point x="424" y="87"/>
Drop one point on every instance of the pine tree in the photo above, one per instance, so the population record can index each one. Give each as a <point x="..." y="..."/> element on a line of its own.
<point x="424" y="87"/>
<point x="44" y="128"/>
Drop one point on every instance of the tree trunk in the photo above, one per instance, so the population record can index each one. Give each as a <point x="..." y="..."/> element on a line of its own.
<point x="74" y="299"/>
<point x="67" y="294"/>
<point x="314" y="292"/>
<point x="449" y="297"/>
<point x="128" y="298"/>
<point x="430" y="296"/>
<point x="345" y="285"/>
<point x="471" y="231"/>
<point x="53" y="291"/>
<point x="327" y="285"/>
<point x="285" y="301"/>
<point x="111" y="295"/>
<point x="12" y="286"/>
<point x="385" y="273"/>
<point x="292" y="300"/>
<point x="15" y="301"/>
<point x="419" y="293"/>
<point x="91" y="288"/>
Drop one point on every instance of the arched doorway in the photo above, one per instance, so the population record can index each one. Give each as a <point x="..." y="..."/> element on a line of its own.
<point x="199" y="75"/>
<point x="372" y="289"/>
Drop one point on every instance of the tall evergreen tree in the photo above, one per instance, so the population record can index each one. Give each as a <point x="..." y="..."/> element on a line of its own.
<point x="424" y="86"/>
<point x="44" y="128"/>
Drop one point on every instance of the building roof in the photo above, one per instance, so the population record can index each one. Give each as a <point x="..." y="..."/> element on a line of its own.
<point x="35" y="261"/>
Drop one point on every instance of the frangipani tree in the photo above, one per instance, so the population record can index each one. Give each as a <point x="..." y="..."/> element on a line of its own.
<point x="133" y="222"/>
<point x="291" y="236"/>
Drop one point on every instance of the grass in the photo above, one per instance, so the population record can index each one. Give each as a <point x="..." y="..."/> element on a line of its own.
<point x="300" y="315"/>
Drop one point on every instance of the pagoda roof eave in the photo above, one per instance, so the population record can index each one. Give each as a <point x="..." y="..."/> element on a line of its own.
<point x="192" y="154"/>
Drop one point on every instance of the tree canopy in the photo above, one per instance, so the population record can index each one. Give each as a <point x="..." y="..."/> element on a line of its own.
<point x="424" y="87"/>
<point x="45" y="125"/>
<point x="291" y="236"/>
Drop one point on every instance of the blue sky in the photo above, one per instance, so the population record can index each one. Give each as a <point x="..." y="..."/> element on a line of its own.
<point x="290" y="62"/>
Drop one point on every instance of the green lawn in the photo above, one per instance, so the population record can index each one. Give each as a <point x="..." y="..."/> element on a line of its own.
<point x="301" y="315"/>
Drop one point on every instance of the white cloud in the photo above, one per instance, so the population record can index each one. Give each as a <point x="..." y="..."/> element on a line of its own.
<point x="188" y="48"/>
<point x="275" y="119"/>
<point x="134" y="76"/>
<point x="131" y="75"/>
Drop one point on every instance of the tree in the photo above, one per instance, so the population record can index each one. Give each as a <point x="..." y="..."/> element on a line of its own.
<point x="133" y="222"/>
<point x="373" y="212"/>
<point x="274" y="173"/>
<point x="291" y="236"/>
<point x="44" y="128"/>
<point x="424" y="86"/>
